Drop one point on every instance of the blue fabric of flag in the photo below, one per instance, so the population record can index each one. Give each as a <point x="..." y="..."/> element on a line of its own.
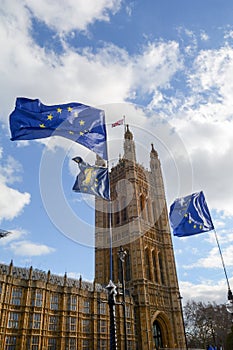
<point x="92" y="179"/>
<point x="190" y="215"/>
<point x="31" y="119"/>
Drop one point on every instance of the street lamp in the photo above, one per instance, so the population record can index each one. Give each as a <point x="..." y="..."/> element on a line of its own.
<point x="111" y="288"/>
<point x="229" y="304"/>
<point x="122" y="254"/>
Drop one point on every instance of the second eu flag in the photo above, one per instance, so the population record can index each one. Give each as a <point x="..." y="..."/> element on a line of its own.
<point x="190" y="215"/>
<point x="92" y="179"/>
<point x="31" y="119"/>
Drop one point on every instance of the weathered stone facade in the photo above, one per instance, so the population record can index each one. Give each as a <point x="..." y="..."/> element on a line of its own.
<point x="139" y="222"/>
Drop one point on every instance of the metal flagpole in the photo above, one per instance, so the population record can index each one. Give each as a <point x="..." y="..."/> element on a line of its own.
<point x="223" y="264"/>
<point x="111" y="288"/>
<point x="229" y="295"/>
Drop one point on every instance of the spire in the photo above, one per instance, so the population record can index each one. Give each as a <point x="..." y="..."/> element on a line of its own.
<point x="128" y="134"/>
<point x="129" y="145"/>
<point x="154" y="159"/>
<point x="153" y="152"/>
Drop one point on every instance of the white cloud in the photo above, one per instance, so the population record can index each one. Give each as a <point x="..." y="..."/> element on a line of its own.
<point x="206" y="291"/>
<point x="9" y="196"/>
<point x="67" y="15"/>
<point x="27" y="248"/>
<point x="13" y="235"/>
<point x="9" y="173"/>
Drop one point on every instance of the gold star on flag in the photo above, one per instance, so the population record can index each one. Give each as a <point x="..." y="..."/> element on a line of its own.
<point x="71" y="132"/>
<point x="81" y="133"/>
<point x="59" y="110"/>
<point x="69" y="109"/>
<point x="82" y="122"/>
<point x="185" y="215"/>
<point x="42" y="126"/>
<point x="194" y="226"/>
<point x="50" y="117"/>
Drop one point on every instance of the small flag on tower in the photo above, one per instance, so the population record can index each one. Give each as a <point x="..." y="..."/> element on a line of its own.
<point x="190" y="215"/>
<point x="117" y="123"/>
<point x="92" y="179"/>
<point x="31" y="119"/>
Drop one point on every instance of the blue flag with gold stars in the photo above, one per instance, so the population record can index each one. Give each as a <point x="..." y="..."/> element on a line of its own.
<point x="190" y="215"/>
<point x="92" y="179"/>
<point x="83" y="124"/>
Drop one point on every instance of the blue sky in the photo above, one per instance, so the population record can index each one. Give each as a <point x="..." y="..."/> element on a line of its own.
<point x="166" y="65"/>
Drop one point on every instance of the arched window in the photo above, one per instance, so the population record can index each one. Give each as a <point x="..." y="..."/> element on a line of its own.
<point x="147" y="264"/>
<point x="157" y="335"/>
<point x="127" y="267"/>
<point x="161" y="268"/>
<point x="123" y="209"/>
<point x="149" y="213"/>
<point x="142" y="206"/>
<point x="117" y="213"/>
<point x="155" y="266"/>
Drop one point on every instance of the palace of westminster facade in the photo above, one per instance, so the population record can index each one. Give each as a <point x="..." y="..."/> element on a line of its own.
<point x="42" y="311"/>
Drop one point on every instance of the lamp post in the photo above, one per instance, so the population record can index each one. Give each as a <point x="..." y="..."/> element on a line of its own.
<point x="122" y="254"/>
<point x="111" y="288"/>
<point x="229" y="304"/>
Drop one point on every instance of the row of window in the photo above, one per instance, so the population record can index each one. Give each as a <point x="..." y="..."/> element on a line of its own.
<point x="35" y="321"/>
<point x="37" y="300"/>
<point x="33" y="343"/>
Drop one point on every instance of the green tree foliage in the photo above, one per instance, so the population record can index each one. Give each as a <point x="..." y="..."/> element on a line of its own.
<point x="207" y="324"/>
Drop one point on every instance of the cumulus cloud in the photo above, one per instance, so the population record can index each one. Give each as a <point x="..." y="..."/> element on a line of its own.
<point x="206" y="291"/>
<point x="9" y="173"/>
<point x="27" y="248"/>
<point x="67" y="15"/>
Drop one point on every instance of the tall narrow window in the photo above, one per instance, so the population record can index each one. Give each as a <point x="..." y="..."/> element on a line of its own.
<point x="37" y="298"/>
<point x="155" y="266"/>
<point x="54" y="300"/>
<point x="71" y="324"/>
<point x="53" y="323"/>
<point x="117" y="213"/>
<point x="123" y="209"/>
<point x="157" y="335"/>
<point x="127" y="267"/>
<point x="147" y="264"/>
<point x="35" y="320"/>
<point x="161" y="268"/>
<point x="52" y="344"/>
<point x="86" y="326"/>
<point x="72" y="303"/>
<point x="70" y="344"/>
<point x="16" y="296"/>
<point x="13" y="320"/>
<point x="86" y="306"/>
<point x="10" y="343"/>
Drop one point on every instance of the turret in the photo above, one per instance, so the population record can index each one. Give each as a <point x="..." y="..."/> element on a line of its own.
<point x="129" y="146"/>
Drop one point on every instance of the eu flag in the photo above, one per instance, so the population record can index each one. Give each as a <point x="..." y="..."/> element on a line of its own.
<point x="190" y="215"/>
<point x="92" y="179"/>
<point x="31" y="119"/>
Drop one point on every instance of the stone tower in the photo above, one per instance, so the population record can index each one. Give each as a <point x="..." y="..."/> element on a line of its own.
<point x="139" y="224"/>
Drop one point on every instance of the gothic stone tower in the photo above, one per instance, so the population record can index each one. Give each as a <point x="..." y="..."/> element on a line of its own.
<point x="139" y="224"/>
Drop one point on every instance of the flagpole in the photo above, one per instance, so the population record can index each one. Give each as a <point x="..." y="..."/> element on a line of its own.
<point x="110" y="228"/>
<point x="111" y="288"/>
<point x="223" y="264"/>
<point x="124" y="123"/>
